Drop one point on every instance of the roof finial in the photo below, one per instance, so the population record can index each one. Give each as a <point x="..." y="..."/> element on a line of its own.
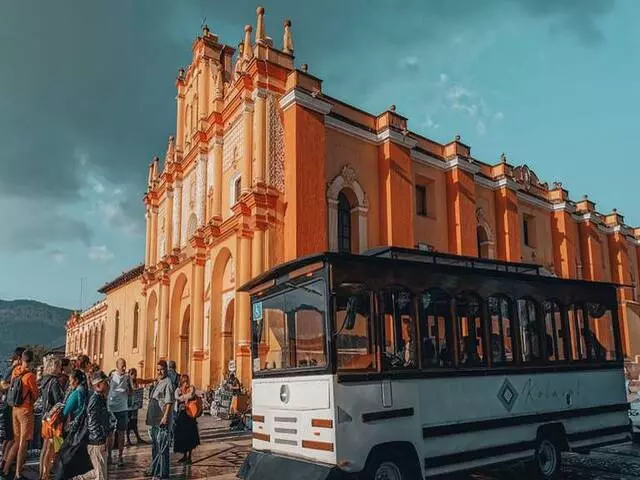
<point x="614" y="210"/>
<point x="304" y="67"/>
<point x="260" y="24"/>
<point x="247" y="51"/>
<point x="156" y="162"/>
<point x="287" y="39"/>
<point x="503" y="158"/>
<point x="457" y="138"/>
<point x="181" y="73"/>
<point x="392" y="108"/>
<point x="585" y="197"/>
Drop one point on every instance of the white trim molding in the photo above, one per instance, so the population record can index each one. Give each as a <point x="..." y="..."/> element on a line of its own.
<point x="535" y="201"/>
<point x="297" y="96"/>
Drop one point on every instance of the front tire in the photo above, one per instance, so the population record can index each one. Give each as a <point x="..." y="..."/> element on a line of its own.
<point x="391" y="465"/>
<point x="547" y="460"/>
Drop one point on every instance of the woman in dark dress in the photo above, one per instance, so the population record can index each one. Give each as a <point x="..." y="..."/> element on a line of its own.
<point x="186" y="436"/>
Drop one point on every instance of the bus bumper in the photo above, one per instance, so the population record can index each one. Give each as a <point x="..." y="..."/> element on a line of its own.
<point x="265" y="466"/>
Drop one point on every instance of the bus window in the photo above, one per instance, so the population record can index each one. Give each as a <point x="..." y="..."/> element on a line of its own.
<point x="502" y="331"/>
<point x="436" y="329"/>
<point x="575" y="315"/>
<point x="355" y="346"/>
<point x="470" y="329"/>
<point x="554" y="331"/>
<point x="400" y="350"/>
<point x="529" y="330"/>
<point x="289" y="329"/>
<point x="600" y="334"/>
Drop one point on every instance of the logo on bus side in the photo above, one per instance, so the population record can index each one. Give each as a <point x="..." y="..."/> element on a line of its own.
<point x="507" y="395"/>
<point x="284" y="394"/>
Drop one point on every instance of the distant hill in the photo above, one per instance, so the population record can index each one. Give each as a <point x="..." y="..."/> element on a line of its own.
<point x="30" y="322"/>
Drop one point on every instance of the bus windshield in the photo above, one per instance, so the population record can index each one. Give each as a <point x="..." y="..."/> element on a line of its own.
<point x="289" y="329"/>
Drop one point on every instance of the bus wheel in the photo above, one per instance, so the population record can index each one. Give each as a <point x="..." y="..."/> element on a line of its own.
<point x="391" y="465"/>
<point x="547" y="459"/>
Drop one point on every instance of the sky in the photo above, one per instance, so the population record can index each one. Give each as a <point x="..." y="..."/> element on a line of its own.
<point x="87" y="97"/>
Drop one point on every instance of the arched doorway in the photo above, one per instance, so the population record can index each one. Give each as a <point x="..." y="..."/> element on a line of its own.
<point x="221" y="317"/>
<point x="179" y="302"/>
<point x="151" y="344"/>
<point x="185" y="343"/>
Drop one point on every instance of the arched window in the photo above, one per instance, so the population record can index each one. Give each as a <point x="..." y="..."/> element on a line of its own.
<point x="502" y="331"/>
<point x="483" y="242"/>
<point x="116" y="331"/>
<point x="471" y="330"/>
<point x="529" y="330"/>
<point x="399" y="320"/>
<point x="344" y="224"/>
<point x="436" y="329"/>
<point x="135" y="325"/>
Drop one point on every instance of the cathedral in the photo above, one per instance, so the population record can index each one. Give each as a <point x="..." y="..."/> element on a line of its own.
<point x="265" y="166"/>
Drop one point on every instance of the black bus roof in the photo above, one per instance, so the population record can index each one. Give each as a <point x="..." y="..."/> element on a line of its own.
<point x="382" y="255"/>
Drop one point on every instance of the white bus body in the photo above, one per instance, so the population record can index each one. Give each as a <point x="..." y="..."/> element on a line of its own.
<point x="454" y="424"/>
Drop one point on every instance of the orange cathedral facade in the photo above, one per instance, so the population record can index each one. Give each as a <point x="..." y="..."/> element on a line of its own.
<point x="265" y="166"/>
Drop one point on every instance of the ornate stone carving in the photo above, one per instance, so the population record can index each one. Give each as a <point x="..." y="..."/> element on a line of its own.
<point x="525" y="176"/>
<point x="200" y="188"/>
<point x="276" y="146"/>
<point x="349" y="174"/>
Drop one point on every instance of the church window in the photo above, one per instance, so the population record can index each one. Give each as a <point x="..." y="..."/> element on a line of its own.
<point x="116" y="331"/>
<point x="528" y="230"/>
<point x="421" y="200"/>
<point x="344" y="224"/>
<point x="135" y="325"/>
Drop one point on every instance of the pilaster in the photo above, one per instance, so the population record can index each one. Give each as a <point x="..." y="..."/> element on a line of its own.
<point x="508" y="225"/>
<point x="247" y="157"/>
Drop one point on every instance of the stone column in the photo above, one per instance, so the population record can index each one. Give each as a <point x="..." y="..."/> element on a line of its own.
<point x="168" y="222"/>
<point x="260" y="134"/>
<point x="217" y="178"/>
<point x="180" y="121"/>
<point x="153" y="252"/>
<point x="257" y="251"/>
<point x="247" y="157"/>
<point x="201" y="169"/>
<point x="243" y="312"/>
<point x="177" y="216"/>
<point x="197" y="303"/>
<point x="163" y="322"/>
<point x="147" y="247"/>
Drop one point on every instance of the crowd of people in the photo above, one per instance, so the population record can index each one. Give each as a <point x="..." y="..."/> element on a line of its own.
<point x="88" y="416"/>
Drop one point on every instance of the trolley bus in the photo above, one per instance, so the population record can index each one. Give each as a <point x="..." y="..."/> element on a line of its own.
<point x="403" y="364"/>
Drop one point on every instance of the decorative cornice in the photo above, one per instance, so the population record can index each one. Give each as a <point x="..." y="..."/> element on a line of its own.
<point x="428" y="159"/>
<point x="352" y="130"/>
<point x="462" y="164"/>
<point x="532" y="200"/>
<point x="303" y="99"/>
<point x="564" y="206"/>
<point x="397" y="137"/>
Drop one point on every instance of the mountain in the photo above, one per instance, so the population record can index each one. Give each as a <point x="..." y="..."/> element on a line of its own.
<point x="30" y="322"/>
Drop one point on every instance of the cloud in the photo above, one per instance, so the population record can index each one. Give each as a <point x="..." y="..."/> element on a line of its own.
<point x="58" y="256"/>
<point x="481" y="127"/>
<point x="35" y="224"/>
<point x="410" y="63"/>
<point x="429" y="123"/>
<point x="578" y="18"/>
<point x="100" y="253"/>
<point x="498" y="116"/>
<point x="121" y="215"/>
<point x="444" y="78"/>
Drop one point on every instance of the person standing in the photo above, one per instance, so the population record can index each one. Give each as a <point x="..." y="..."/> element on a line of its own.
<point x="76" y="401"/>
<point x="52" y="393"/>
<point x="65" y="365"/>
<point x="98" y="426"/>
<point x="159" y="419"/>
<point x="5" y="383"/>
<point x="173" y="374"/>
<point x="186" y="436"/>
<point x="22" y="415"/>
<point x="119" y="390"/>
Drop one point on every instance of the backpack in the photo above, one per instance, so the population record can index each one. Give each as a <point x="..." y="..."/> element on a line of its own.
<point x="194" y="407"/>
<point x="53" y="422"/>
<point x="14" y="395"/>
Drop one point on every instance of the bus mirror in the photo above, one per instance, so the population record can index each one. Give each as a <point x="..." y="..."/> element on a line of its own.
<point x="352" y="311"/>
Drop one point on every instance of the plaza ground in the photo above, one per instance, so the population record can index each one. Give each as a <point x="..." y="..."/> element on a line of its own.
<point x="222" y="453"/>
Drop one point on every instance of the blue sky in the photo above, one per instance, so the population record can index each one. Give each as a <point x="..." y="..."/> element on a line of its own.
<point x="88" y="98"/>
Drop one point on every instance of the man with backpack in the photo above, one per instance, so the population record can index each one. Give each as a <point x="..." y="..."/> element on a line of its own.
<point x="21" y="396"/>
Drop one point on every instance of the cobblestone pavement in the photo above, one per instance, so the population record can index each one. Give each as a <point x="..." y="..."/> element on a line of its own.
<point x="219" y="456"/>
